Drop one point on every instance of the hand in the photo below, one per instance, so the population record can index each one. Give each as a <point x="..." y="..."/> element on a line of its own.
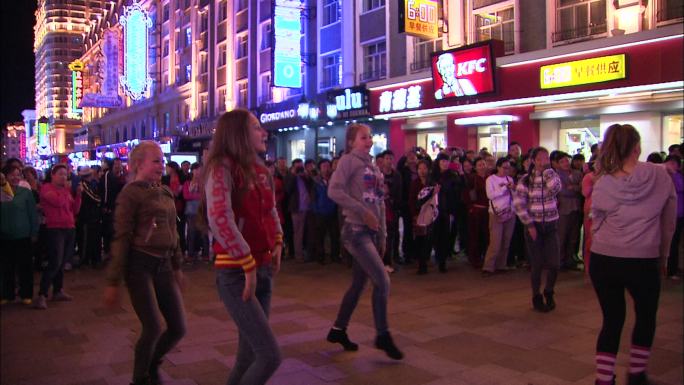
<point x="250" y="286"/>
<point x="180" y="278"/>
<point x="111" y="297"/>
<point x="276" y="256"/>
<point x="371" y="221"/>
<point x="437" y="188"/>
<point x="533" y="232"/>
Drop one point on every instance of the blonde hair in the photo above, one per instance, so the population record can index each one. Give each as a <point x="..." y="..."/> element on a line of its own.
<point x="139" y="153"/>
<point x="352" y="131"/>
<point x="618" y="144"/>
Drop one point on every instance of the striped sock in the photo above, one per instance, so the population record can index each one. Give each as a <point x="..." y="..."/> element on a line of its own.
<point x="638" y="359"/>
<point x="605" y="367"/>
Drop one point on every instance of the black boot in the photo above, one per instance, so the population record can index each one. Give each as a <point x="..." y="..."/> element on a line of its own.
<point x="638" y="379"/>
<point x="550" y="303"/>
<point x="340" y="336"/>
<point x="385" y="342"/>
<point x="154" y="372"/>
<point x="146" y="381"/>
<point x="538" y="303"/>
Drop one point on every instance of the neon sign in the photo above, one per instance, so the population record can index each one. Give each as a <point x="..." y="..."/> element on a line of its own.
<point x="111" y="55"/>
<point x="463" y="72"/>
<point x="401" y="99"/>
<point x="76" y="68"/>
<point x="135" y="22"/>
<point x="419" y="18"/>
<point x="22" y="145"/>
<point x="43" y="147"/>
<point x="347" y="103"/>
<point x="587" y="71"/>
<point x="287" y="58"/>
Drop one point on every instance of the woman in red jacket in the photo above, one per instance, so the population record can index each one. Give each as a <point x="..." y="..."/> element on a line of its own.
<point x="242" y="215"/>
<point x="60" y="209"/>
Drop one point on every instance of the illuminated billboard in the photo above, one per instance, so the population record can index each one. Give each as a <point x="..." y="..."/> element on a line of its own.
<point x="463" y="72"/>
<point x="587" y="71"/>
<point x="287" y="31"/>
<point x="76" y="68"/>
<point x="135" y="22"/>
<point x="43" y="147"/>
<point x="419" y="18"/>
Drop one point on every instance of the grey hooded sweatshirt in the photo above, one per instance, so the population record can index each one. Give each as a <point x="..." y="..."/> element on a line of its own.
<point x="634" y="216"/>
<point x="357" y="186"/>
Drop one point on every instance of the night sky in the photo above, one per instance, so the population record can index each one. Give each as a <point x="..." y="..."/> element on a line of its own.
<point x="16" y="73"/>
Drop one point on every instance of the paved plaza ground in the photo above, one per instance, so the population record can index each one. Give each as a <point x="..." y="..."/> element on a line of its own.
<point x="455" y="329"/>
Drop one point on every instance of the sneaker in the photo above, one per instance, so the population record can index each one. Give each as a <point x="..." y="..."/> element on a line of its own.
<point x="340" y="336"/>
<point x="674" y="278"/>
<point x="67" y="266"/>
<point x="26" y="301"/>
<point x="385" y="342"/>
<point x="40" y="303"/>
<point x="389" y="269"/>
<point x="62" y="296"/>
<point x="638" y="379"/>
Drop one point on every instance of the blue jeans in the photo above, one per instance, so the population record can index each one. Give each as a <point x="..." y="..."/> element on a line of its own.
<point x="60" y="247"/>
<point x="362" y="244"/>
<point x="258" y="354"/>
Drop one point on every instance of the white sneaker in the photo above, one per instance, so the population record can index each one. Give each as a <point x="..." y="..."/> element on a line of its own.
<point x="389" y="269"/>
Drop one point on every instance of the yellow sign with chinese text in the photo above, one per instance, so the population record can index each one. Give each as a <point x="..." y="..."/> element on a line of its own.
<point x="421" y="18"/>
<point x="587" y="71"/>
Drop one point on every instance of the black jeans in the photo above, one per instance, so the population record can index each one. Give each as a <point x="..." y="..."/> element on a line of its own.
<point x="153" y="289"/>
<point x="610" y="277"/>
<point x="17" y="261"/>
<point x="392" y="243"/>
<point x="544" y="253"/>
<point x="442" y="238"/>
<point x="60" y="245"/>
<point x="324" y="224"/>
<point x="90" y="243"/>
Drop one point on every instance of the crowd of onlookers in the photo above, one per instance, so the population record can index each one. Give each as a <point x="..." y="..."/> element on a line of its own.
<point x="461" y="203"/>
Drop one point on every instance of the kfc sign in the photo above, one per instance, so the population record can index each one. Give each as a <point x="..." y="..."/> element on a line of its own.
<point x="463" y="72"/>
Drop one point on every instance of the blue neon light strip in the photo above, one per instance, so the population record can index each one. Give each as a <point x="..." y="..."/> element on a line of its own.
<point x="136" y="22"/>
<point x="287" y="60"/>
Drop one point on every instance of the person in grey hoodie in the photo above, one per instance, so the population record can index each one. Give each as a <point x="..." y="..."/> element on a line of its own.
<point x="634" y="212"/>
<point x="357" y="186"/>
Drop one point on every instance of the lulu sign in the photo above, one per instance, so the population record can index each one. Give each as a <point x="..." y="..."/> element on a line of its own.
<point x="587" y="71"/>
<point x="462" y="72"/>
<point x="287" y="56"/>
<point x="135" y="22"/>
<point x="347" y="103"/>
<point x="76" y="68"/>
<point x="419" y="18"/>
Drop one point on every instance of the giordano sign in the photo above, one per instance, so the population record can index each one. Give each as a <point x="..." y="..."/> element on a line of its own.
<point x="587" y="71"/>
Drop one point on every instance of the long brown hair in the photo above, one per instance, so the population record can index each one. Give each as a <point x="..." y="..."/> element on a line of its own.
<point x="618" y="144"/>
<point x="352" y="131"/>
<point x="231" y="144"/>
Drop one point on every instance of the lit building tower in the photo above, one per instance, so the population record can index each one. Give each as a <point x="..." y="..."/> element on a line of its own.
<point x="59" y="30"/>
<point x="14" y="141"/>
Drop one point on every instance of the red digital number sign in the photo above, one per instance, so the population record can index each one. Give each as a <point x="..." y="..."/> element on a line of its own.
<point x="463" y="72"/>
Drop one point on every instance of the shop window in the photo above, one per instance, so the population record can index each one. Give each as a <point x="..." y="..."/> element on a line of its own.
<point x="222" y="99"/>
<point x="673" y="130"/>
<point x="494" y="138"/>
<point x="332" y="11"/>
<point x="332" y="70"/>
<point x="242" y="94"/>
<point x="577" y="136"/>
<point x="579" y="19"/>
<point x="297" y="149"/>
<point x="497" y="25"/>
<point x="266" y="35"/>
<point x="241" y="46"/>
<point x="369" y="5"/>
<point x="326" y="148"/>
<point x="432" y="142"/>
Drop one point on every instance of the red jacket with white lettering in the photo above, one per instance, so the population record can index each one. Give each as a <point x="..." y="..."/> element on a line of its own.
<point x="244" y="233"/>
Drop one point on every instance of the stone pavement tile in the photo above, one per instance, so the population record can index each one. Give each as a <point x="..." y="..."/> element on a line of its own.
<point x="662" y="361"/>
<point x="490" y="375"/>
<point x="217" y="377"/>
<point x="395" y="373"/>
<point x="536" y="378"/>
<point x="327" y="373"/>
<point x="299" y="377"/>
<point x="191" y="354"/>
<point x="94" y="382"/>
<point x="470" y="349"/>
<point x="434" y="364"/>
<point x="557" y="364"/>
<point x="194" y="369"/>
<point x="673" y="376"/>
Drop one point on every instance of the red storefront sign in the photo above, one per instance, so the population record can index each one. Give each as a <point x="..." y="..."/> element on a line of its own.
<point x="660" y="61"/>
<point x="463" y="72"/>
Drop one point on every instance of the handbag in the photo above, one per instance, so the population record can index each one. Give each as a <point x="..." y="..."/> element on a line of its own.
<point x="428" y="213"/>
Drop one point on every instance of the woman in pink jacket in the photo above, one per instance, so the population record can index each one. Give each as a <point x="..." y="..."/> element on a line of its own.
<point x="60" y="209"/>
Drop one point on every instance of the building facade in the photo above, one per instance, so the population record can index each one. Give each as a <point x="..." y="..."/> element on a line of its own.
<point x="14" y="141"/>
<point x="59" y="31"/>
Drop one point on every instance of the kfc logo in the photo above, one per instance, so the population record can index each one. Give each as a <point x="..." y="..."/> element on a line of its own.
<point x="463" y="72"/>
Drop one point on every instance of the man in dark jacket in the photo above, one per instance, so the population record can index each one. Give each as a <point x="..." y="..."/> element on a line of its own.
<point x="393" y="203"/>
<point x="324" y="214"/>
<point x="111" y="184"/>
<point x="298" y="191"/>
<point x="89" y="220"/>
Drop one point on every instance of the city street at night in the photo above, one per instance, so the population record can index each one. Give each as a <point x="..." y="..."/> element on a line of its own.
<point x="455" y="329"/>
